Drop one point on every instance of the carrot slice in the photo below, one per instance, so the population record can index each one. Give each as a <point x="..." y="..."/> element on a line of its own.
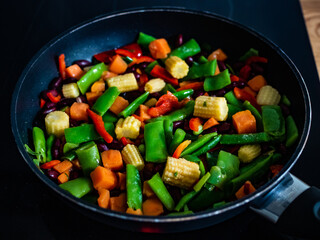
<point x="64" y="177"/>
<point x="250" y="91"/>
<point x="121" y="180"/>
<point x="147" y="190"/>
<point x="92" y="97"/>
<point x="118" y="65"/>
<point x="217" y="54"/>
<point x="159" y="48"/>
<point x="210" y="123"/>
<point x="180" y="148"/>
<point x="50" y="164"/>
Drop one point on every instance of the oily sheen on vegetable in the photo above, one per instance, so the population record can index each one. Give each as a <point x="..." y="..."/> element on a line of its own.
<point x="162" y="128"/>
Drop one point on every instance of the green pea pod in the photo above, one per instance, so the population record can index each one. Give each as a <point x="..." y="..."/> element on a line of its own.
<point x="202" y="59"/>
<point x="218" y="177"/>
<point x="155" y="142"/>
<point x="105" y="101"/>
<point x="49" y="144"/>
<point x="149" y="68"/>
<point x="229" y="164"/>
<point x="170" y="88"/>
<point x="231" y="98"/>
<point x="217" y="82"/>
<point x="292" y="131"/>
<point x="178" y="138"/>
<point x="69" y="146"/>
<point x="192" y="158"/>
<point x="134" y="192"/>
<point x="39" y="142"/>
<point x="273" y="122"/>
<point x="161" y="191"/>
<point x="183" y="94"/>
<point x="201" y="141"/>
<point x="205" y="199"/>
<point x="129" y="110"/>
<point x="90" y="77"/>
<point x="184" y="200"/>
<point x="188" y="49"/>
<point x="109" y="117"/>
<point x="232" y="109"/>
<point x="168" y="129"/>
<point x="144" y="40"/>
<point x="211" y="144"/>
<point x="197" y="187"/>
<point x="89" y="157"/>
<point x="202" y="70"/>
<point x="78" y="187"/>
<point x="245" y="138"/>
<point x="251" y="52"/>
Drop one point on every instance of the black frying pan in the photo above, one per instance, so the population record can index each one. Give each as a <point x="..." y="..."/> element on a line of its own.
<point x="114" y="30"/>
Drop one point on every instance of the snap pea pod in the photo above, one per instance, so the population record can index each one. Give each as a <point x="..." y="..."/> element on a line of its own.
<point x="292" y="131"/>
<point x="104" y="102"/>
<point x="155" y="142"/>
<point x="188" y="49"/>
<point x="201" y="141"/>
<point x="273" y="122"/>
<point x="197" y="187"/>
<point x="134" y="193"/>
<point x="168" y="131"/>
<point x="168" y="87"/>
<point x="39" y="142"/>
<point x="251" y="52"/>
<point x="218" y="177"/>
<point x="78" y="187"/>
<point x="109" y="117"/>
<point x="161" y="191"/>
<point x="202" y="70"/>
<point x="177" y="115"/>
<point x="211" y="144"/>
<point x="246" y="138"/>
<point x="202" y="59"/>
<point x="133" y="106"/>
<point x="69" y="146"/>
<point x="231" y="98"/>
<point x="192" y="158"/>
<point x="149" y="68"/>
<point x="49" y="144"/>
<point x="229" y="164"/>
<point x="217" y="82"/>
<point x="206" y="198"/>
<point x="144" y="40"/>
<point x="232" y="109"/>
<point x="86" y="132"/>
<point x="89" y="157"/>
<point x="183" y="94"/>
<point x="184" y="200"/>
<point x="90" y="77"/>
<point x="178" y="137"/>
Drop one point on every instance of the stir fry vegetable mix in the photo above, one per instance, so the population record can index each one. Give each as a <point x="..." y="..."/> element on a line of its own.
<point x="158" y="128"/>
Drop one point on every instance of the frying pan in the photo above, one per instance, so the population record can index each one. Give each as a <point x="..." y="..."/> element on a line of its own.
<point x="282" y="199"/>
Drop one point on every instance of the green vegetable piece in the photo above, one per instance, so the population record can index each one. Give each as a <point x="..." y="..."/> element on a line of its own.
<point x="231" y="98"/>
<point x="180" y="213"/>
<point x="161" y="191"/>
<point x="188" y="49"/>
<point x="192" y="158"/>
<point x="229" y="164"/>
<point x="211" y="144"/>
<point x="218" y="177"/>
<point x="232" y="109"/>
<point x="89" y="157"/>
<point x="201" y="141"/>
<point x="201" y="182"/>
<point x="212" y="158"/>
<point x="247" y="105"/>
<point x="155" y="141"/>
<point x="202" y="168"/>
<point x="142" y="149"/>
<point x="134" y="192"/>
<point x="202" y="59"/>
<point x="205" y="199"/>
<point x="184" y="200"/>
<point x="149" y="68"/>
<point x="69" y="146"/>
<point x="144" y="40"/>
<point x="39" y="142"/>
<point x="183" y="94"/>
<point x="292" y="131"/>
<point x="230" y="69"/>
<point x="90" y="77"/>
<point x="49" y="145"/>
<point x="168" y="131"/>
<point x="178" y="137"/>
<point x="219" y="204"/>
<point x="246" y="138"/>
<point x="285" y="100"/>
<point x="251" y="52"/>
<point x="217" y="82"/>
<point x="109" y="117"/>
<point x="273" y="121"/>
<point x="207" y="69"/>
<point x="127" y="59"/>
<point x="105" y="101"/>
<point x="78" y="187"/>
<point x="168" y="87"/>
<point x="133" y="106"/>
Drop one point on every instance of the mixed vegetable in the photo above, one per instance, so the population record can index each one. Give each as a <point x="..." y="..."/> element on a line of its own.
<point x="160" y="127"/>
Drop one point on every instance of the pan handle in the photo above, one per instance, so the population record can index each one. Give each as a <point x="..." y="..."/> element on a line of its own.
<point x="293" y="206"/>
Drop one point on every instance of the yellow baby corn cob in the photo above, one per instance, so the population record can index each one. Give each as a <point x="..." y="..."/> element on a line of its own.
<point x="70" y="90"/>
<point x="207" y="107"/>
<point x="177" y="67"/>
<point x="247" y="153"/>
<point x="180" y="172"/>
<point x="154" y="85"/>
<point x="131" y="155"/>
<point x="128" y="127"/>
<point x="124" y="83"/>
<point x="268" y="95"/>
<point x="56" y="122"/>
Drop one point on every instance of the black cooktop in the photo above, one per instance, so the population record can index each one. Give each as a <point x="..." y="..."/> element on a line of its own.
<point x="30" y="210"/>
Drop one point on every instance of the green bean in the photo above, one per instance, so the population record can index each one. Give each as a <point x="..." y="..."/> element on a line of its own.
<point x="104" y="102"/>
<point x="129" y="110"/>
<point x="39" y="142"/>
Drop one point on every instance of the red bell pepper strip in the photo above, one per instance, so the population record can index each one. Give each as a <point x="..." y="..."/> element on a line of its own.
<point x="162" y="73"/>
<point x="62" y="66"/>
<point x="193" y="85"/>
<point x="245" y="72"/>
<point x="52" y="98"/>
<point x="141" y="60"/>
<point x="42" y="103"/>
<point x="105" y="57"/>
<point x="165" y="104"/>
<point x="99" y="126"/>
<point x="124" y="52"/>
<point x="126" y="141"/>
<point x="253" y="59"/>
<point x="50" y="164"/>
<point x="133" y="48"/>
<point x="234" y="78"/>
<point x="194" y="124"/>
<point x="243" y="95"/>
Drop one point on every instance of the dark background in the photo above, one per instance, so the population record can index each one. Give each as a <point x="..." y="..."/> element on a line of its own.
<point x="30" y="210"/>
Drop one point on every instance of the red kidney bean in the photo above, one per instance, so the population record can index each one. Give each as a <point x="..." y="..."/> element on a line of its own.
<point x="148" y="171"/>
<point x="224" y="127"/>
<point x="179" y="40"/>
<point x="115" y="144"/>
<point x="131" y="69"/>
<point x="220" y="93"/>
<point x="46" y="111"/>
<point x="74" y="123"/>
<point x="197" y="93"/>
<point x="256" y="68"/>
<point x="143" y="65"/>
<point x="102" y="147"/>
<point x="189" y="61"/>
<point x="56" y="83"/>
<point x="238" y="65"/>
<point x="65" y="102"/>
<point x="82" y="63"/>
<point x="178" y="124"/>
<point x="130" y="96"/>
<point x="56" y="148"/>
<point x="285" y="110"/>
<point x="221" y="65"/>
<point x="48" y="105"/>
<point x="136" y="75"/>
<point x="70" y="80"/>
<point x="186" y="125"/>
<point x="73" y="175"/>
<point x="155" y="95"/>
<point x="52" y="174"/>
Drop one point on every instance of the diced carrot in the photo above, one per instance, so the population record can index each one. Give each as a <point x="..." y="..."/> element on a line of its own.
<point x="206" y="94"/>
<point x="257" y="82"/>
<point x="192" y="85"/>
<point x="217" y="54"/>
<point x="119" y="203"/>
<point x="159" y="48"/>
<point x="76" y="164"/>
<point x="180" y="148"/>
<point x="112" y="159"/>
<point x="275" y="169"/>
<point x="121" y="180"/>
<point x="210" y="123"/>
<point x="103" y="178"/>
<point x="250" y="91"/>
<point x="92" y="97"/>
<point x="194" y="124"/>
<point x="152" y="207"/>
<point x="98" y="86"/>
<point x="217" y="70"/>
<point x="147" y="190"/>
<point x="64" y="177"/>
<point x="244" y="122"/>
<point x="143" y="109"/>
<point x="63" y="166"/>
<point x="135" y="212"/>
<point x="118" y="65"/>
<point x="74" y="71"/>
<point x="108" y="74"/>
<point x="245" y="190"/>
<point x="50" y="164"/>
<point x="119" y="105"/>
<point x="104" y="197"/>
<point x="78" y="111"/>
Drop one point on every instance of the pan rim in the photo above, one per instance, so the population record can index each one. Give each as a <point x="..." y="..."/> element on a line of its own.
<point x="165" y="219"/>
